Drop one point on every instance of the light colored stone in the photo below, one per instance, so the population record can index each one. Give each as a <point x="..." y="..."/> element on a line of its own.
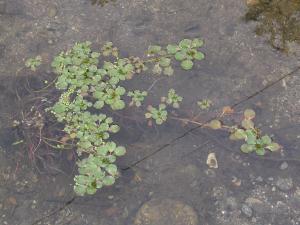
<point x="212" y="160"/>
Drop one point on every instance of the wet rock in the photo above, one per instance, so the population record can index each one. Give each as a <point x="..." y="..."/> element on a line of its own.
<point x="284" y="165"/>
<point x="284" y="184"/>
<point x="259" y="206"/>
<point x="166" y="212"/>
<point x="247" y="211"/>
<point x="52" y="11"/>
<point x="259" y="179"/>
<point x="281" y="208"/>
<point x="231" y="204"/>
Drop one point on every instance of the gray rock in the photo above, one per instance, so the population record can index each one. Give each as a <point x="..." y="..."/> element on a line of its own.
<point x="247" y="210"/>
<point x="284" y="165"/>
<point x="282" y="208"/>
<point x="284" y="184"/>
<point x="166" y="212"/>
<point x="231" y="203"/>
<point x="259" y="206"/>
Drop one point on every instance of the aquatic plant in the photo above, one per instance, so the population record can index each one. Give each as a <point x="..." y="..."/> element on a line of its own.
<point x="33" y="63"/>
<point x="87" y="88"/>
<point x="90" y="83"/>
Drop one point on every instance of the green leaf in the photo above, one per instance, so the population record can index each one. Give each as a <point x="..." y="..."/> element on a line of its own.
<point x="239" y="134"/>
<point x="114" y="128"/>
<point x="247" y="124"/>
<point x="164" y="62"/>
<point x="112" y="169"/>
<point x="108" y="180"/>
<point x="266" y="140"/>
<point x="181" y="55"/>
<point x="153" y="49"/>
<point x="157" y="69"/>
<point x="199" y="56"/>
<point x="260" y="151"/>
<point x="185" y="43"/>
<point x="249" y="114"/>
<point x="187" y="64"/>
<point x="120" y="151"/>
<point x="168" y="71"/>
<point x="172" y="49"/>
<point x="247" y="148"/>
<point x="98" y="104"/>
<point x="273" y="147"/>
<point x="215" y="124"/>
<point x="251" y="139"/>
<point x="197" y="43"/>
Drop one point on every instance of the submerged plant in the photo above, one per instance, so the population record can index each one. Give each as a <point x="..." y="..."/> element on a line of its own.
<point x="254" y="141"/>
<point x="90" y="83"/>
<point x="172" y="99"/>
<point x="137" y="97"/>
<point x="159" y="114"/>
<point x="204" y="104"/>
<point x="33" y="63"/>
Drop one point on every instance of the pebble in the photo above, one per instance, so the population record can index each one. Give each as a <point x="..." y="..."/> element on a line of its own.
<point x="247" y="210"/>
<point x="259" y="179"/>
<point x="258" y="205"/>
<point x="166" y="212"/>
<point x="284" y="184"/>
<point x="231" y="203"/>
<point x="284" y="165"/>
<point x="52" y="11"/>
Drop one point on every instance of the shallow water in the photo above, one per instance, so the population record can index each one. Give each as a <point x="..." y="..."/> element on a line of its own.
<point x="241" y="69"/>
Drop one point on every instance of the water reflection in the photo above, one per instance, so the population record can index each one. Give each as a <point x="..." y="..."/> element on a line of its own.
<point x="279" y="20"/>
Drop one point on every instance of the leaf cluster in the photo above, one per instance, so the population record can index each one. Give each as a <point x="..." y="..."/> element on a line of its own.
<point x="254" y="141"/>
<point x="33" y="63"/>
<point x="159" y="114"/>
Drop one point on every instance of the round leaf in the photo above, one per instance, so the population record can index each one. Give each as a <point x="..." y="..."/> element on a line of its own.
<point x="108" y="180"/>
<point x="172" y="49"/>
<point x="249" y="114"/>
<point x="168" y="71"/>
<point x="120" y="151"/>
<point x="187" y="64"/>
<point x="247" y="124"/>
<point x="199" y="56"/>
<point x="247" y="148"/>
<point x="185" y="43"/>
<point x="215" y="124"/>
<point x="181" y="55"/>
<point x="164" y="62"/>
<point x="273" y="147"/>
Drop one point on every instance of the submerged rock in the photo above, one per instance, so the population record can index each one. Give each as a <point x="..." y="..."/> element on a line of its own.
<point x="284" y="184"/>
<point x="166" y="212"/>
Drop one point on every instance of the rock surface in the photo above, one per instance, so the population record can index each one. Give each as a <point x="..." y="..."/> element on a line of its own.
<point x="166" y="212"/>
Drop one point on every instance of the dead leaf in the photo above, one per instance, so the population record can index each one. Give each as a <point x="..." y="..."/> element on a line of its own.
<point x="227" y="110"/>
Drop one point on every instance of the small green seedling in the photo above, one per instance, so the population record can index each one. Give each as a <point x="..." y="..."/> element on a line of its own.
<point x="33" y="63"/>
<point x="159" y="114"/>
<point x="204" y="104"/>
<point x="137" y="97"/>
<point x="172" y="99"/>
